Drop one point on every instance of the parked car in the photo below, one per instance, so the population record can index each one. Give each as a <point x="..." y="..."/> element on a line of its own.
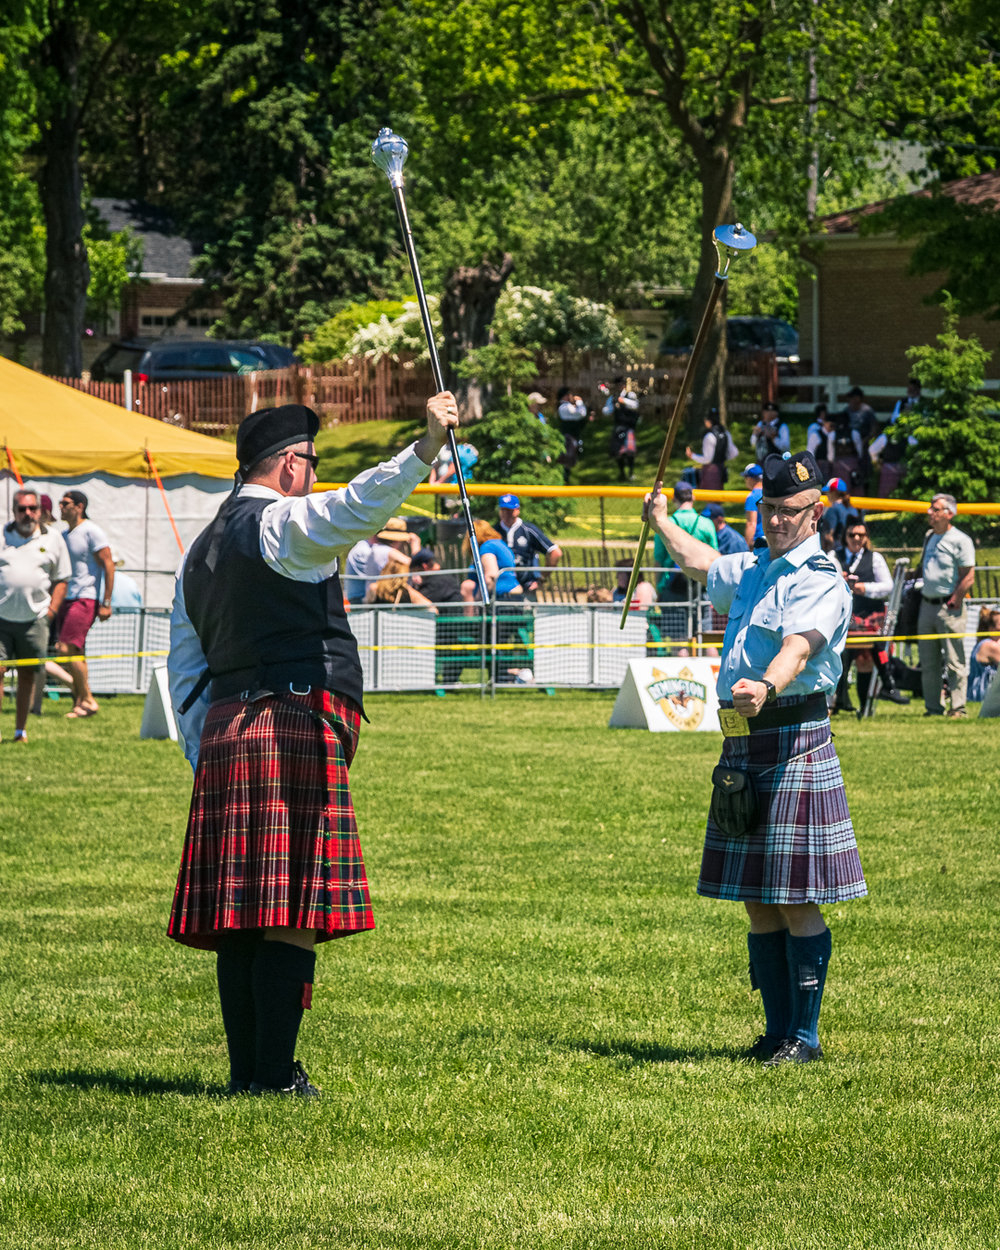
<point x="743" y="334"/>
<point x="176" y="360"/>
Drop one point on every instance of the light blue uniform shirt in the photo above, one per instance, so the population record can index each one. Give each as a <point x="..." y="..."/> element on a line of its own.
<point x="767" y="600"/>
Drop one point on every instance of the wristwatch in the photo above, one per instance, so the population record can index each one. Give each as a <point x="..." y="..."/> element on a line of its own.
<point x="772" y="694"/>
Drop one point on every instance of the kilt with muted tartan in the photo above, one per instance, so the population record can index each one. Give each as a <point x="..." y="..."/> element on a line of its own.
<point x="271" y="837"/>
<point x="803" y="849"/>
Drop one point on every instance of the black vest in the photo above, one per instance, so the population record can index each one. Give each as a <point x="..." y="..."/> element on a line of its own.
<point x="895" y="448"/>
<point x="864" y="571"/>
<point x="721" y="446"/>
<point x="843" y="445"/>
<point x="260" y="630"/>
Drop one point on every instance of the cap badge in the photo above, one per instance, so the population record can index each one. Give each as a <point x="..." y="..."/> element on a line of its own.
<point x="802" y="473"/>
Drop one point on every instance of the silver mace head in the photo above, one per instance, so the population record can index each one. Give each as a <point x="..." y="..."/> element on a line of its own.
<point x="389" y="153"/>
<point x="731" y="241"/>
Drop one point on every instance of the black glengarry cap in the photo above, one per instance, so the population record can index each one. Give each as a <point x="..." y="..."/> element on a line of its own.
<point x="263" y="433"/>
<point x="784" y="476"/>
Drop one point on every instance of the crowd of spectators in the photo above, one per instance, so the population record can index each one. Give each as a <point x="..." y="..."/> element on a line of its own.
<point x="57" y="578"/>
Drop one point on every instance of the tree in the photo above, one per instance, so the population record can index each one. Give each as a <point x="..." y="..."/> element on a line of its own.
<point x="750" y="95"/>
<point x="290" y="213"/>
<point x="64" y="49"/>
<point x="114" y="260"/>
<point x="22" y="236"/>
<point x="467" y="307"/>
<point x="957" y="451"/>
<point x="947" y="104"/>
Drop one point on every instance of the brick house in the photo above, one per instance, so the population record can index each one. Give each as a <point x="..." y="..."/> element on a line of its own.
<point x="156" y="304"/>
<point x="860" y="309"/>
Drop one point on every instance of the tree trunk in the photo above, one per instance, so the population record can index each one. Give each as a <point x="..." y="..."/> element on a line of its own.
<point x="708" y="388"/>
<point x="66" y="271"/>
<point x="467" y="308"/>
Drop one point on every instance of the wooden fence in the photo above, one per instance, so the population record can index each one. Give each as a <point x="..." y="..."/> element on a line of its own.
<point x="356" y="390"/>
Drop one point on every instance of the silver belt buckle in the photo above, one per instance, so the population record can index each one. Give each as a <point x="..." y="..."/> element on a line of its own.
<point x="292" y="690"/>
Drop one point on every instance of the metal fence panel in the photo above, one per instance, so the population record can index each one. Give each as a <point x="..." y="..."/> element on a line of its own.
<point x="562" y="645"/>
<point x="614" y="647"/>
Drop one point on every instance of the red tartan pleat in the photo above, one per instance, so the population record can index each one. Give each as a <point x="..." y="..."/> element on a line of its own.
<point x="271" y="838"/>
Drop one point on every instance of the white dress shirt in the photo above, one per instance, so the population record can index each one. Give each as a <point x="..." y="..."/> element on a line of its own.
<point x="302" y="537"/>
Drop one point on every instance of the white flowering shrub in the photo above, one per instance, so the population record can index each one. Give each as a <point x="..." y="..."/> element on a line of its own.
<point x="542" y="320"/>
<point x="401" y="336"/>
<point x="526" y="316"/>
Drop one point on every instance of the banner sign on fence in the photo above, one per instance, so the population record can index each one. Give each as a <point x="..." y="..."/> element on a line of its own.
<point x="672" y="694"/>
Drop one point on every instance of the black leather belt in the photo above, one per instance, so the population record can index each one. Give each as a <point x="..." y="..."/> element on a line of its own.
<point x="928" y="599"/>
<point x="811" y="708"/>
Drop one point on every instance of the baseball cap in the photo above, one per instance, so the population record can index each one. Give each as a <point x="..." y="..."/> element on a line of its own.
<point x="423" y="558"/>
<point x="712" y="511"/>
<point x="683" y="490"/>
<point x="836" y="483"/>
<point x="508" y="501"/>
<point x="753" y="470"/>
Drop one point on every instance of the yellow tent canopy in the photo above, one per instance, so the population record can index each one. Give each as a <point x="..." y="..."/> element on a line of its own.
<point x="52" y="430"/>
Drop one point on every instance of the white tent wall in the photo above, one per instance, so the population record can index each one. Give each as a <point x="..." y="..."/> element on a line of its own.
<point x="132" y="513"/>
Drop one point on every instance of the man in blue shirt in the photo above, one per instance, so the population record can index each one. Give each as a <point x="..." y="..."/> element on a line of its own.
<point x="779" y="835"/>
<point x="754" y="527"/>
<point x="729" y="541"/>
<point x="526" y="543"/>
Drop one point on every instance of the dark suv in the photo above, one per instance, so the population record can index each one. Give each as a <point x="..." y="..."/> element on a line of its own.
<point x="743" y="334"/>
<point x="166" y="360"/>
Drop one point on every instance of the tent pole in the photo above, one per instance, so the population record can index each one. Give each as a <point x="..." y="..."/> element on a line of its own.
<point x="152" y="464"/>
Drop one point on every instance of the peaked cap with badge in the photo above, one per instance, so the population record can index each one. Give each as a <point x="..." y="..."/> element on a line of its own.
<point x="787" y="475"/>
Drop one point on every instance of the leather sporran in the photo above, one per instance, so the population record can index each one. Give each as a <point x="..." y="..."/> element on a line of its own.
<point x="735" y="808"/>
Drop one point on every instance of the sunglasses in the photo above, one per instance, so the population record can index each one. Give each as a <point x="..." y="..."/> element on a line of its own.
<point x="27" y="507"/>
<point x="313" y="460"/>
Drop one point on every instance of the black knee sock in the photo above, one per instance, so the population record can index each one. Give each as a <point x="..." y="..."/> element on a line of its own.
<point x="282" y="983"/>
<point x="844" y="688"/>
<point x="234" y="969"/>
<point x="864" y="683"/>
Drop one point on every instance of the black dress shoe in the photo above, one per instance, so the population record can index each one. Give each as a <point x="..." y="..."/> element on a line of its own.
<point x="301" y="1086"/>
<point x="238" y="1087"/>
<point x="763" y="1048"/>
<point x="893" y="695"/>
<point x="792" y="1050"/>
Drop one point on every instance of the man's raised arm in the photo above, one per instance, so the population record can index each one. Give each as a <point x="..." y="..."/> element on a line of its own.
<point x="694" y="558"/>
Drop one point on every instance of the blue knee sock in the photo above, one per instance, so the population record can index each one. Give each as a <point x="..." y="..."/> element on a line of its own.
<point x="807" y="962"/>
<point x="769" y="974"/>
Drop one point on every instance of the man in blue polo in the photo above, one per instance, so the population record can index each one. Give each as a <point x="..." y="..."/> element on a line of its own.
<point x="729" y="541"/>
<point x="526" y="543"/>
<point x="779" y="837"/>
<point x="754" y="527"/>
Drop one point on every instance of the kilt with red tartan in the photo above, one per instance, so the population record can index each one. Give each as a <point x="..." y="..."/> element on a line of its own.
<point x="271" y="837"/>
<point x="803" y="849"/>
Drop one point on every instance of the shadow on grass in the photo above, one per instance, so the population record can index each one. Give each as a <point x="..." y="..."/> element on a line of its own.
<point x="639" y="1053"/>
<point x="137" y="1085"/>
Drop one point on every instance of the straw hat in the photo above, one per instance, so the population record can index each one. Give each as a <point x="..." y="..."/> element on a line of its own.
<point x="394" y="531"/>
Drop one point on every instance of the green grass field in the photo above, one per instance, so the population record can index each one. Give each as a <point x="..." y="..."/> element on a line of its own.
<point x="536" y="1047"/>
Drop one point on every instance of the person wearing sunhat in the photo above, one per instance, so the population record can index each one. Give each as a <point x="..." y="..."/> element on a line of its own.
<point x="266" y="682"/>
<point x="779" y="836"/>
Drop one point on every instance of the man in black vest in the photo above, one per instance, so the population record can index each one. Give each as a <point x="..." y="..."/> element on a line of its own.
<point x="870" y="583"/>
<point x="265" y="675"/>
